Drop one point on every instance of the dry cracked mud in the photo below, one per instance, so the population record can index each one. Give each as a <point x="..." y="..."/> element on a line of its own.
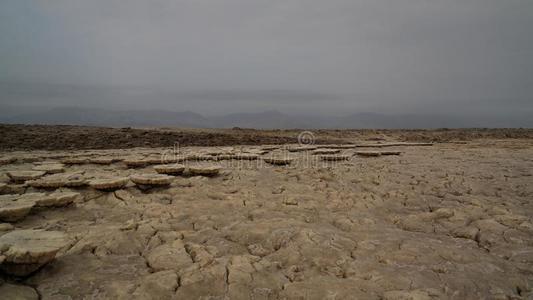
<point x="448" y="221"/>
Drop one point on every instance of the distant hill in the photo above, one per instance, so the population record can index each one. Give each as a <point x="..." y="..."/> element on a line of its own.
<point x="271" y="119"/>
<point x="101" y="117"/>
<point x="267" y="120"/>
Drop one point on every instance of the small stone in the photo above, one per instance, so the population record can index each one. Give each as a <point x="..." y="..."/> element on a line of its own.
<point x="258" y="250"/>
<point x="199" y="254"/>
<point x="151" y="179"/>
<point x="109" y="184"/>
<point x="50" y="168"/>
<point x="170" y="169"/>
<point x="22" y="176"/>
<point x="278" y="160"/>
<point x="290" y="201"/>
<point x="204" y="170"/>
<point x="25" y="251"/>
<point x="12" y="208"/>
<point x="368" y="153"/>
<point x="130" y="225"/>
<point x="469" y="232"/>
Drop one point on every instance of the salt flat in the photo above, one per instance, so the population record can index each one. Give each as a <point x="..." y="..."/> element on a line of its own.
<point x="447" y="221"/>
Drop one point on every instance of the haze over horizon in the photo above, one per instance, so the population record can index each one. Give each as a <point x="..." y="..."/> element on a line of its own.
<point x="462" y="60"/>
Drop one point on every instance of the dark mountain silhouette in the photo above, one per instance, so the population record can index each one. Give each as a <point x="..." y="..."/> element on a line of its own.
<point x="271" y="119"/>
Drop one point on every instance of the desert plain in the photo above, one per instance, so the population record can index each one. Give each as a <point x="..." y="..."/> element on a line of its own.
<point x="122" y="213"/>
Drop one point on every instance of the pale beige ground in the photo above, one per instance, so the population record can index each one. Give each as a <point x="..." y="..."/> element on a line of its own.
<point x="449" y="221"/>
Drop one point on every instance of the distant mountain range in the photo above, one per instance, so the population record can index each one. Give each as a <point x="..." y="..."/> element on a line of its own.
<point x="266" y="120"/>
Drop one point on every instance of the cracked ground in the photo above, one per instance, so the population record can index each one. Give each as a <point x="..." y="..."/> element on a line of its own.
<point x="449" y="221"/>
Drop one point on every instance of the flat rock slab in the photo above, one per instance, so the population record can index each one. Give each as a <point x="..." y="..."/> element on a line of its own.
<point x="74" y="161"/>
<point x="109" y="183"/>
<point x="14" y="208"/>
<point x="200" y="157"/>
<point x="326" y="151"/>
<point x="391" y="152"/>
<point x="39" y="199"/>
<point x="7" y="160"/>
<point x="280" y="161"/>
<point x="334" y="157"/>
<point x="22" y="176"/>
<point x="17" y="292"/>
<point x="137" y="162"/>
<point x="57" y="199"/>
<point x="151" y="179"/>
<point x="50" y="168"/>
<point x="205" y="170"/>
<point x="171" y="169"/>
<point x="341" y="146"/>
<point x="302" y="148"/>
<point x="59" y="180"/>
<point x="245" y="156"/>
<point x="104" y="160"/>
<point x="25" y="251"/>
<point x="368" y="153"/>
<point x="270" y="148"/>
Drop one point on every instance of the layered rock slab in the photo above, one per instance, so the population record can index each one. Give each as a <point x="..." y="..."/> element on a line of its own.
<point x="25" y="251"/>
<point x="109" y="184"/>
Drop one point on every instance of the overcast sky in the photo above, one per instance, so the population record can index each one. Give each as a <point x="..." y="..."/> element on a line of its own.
<point x="308" y="56"/>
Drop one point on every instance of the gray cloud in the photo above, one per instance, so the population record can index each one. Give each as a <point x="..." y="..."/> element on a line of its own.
<point x="322" y="57"/>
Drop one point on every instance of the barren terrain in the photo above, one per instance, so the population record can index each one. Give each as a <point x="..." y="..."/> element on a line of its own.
<point x="366" y="215"/>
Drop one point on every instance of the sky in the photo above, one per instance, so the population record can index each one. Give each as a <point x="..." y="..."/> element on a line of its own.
<point x="458" y="57"/>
